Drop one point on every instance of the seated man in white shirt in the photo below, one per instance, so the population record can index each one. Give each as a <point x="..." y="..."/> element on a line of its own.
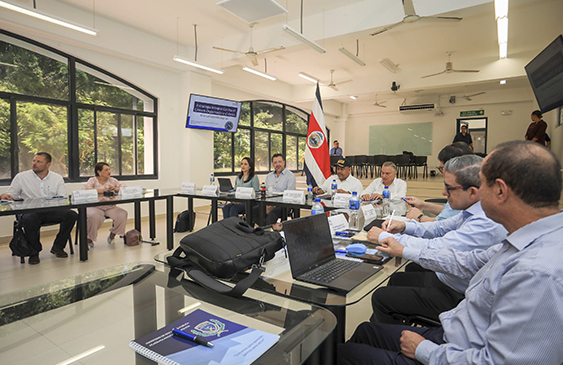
<point x="344" y="180"/>
<point x="40" y="182"/>
<point x="397" y="187"/>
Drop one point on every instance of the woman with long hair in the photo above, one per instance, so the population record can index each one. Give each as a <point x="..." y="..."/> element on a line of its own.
<point x="96" y="215"/>
<point x="246" y="178"/>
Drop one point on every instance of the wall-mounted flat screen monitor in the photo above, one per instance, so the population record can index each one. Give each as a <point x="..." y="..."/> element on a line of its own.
<point x="545" y="73"/>
<point x="205" y="112"/>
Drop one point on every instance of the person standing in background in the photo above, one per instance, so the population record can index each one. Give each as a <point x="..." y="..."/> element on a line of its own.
<point x="536" y="130"/>
<point x="336" y="151"/>
<point x="464" y="136"/>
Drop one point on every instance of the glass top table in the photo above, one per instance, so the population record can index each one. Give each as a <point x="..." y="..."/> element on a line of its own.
<point x="91" y="318"/>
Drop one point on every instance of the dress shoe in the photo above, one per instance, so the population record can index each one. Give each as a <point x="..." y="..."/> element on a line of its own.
<point x="59" y="252"/>
<point x="34" y="260"/>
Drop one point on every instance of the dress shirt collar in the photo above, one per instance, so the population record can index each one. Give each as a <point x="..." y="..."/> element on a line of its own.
<point x="37" y="176"/>
<point x="526" y="235"/>
<point x="476" y="210"/>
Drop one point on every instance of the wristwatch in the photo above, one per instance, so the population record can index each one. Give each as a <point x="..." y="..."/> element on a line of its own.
<point x="420" y="217"/>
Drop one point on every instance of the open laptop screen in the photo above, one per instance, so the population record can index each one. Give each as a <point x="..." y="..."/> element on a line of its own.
<point x="309" y="242"/>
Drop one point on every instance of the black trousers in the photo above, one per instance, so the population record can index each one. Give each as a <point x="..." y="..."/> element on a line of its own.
<point x="379" y="343"/>
<point x="32" y="224"/>
<point x="416" y="291"/>
<point x="271" y="217"/>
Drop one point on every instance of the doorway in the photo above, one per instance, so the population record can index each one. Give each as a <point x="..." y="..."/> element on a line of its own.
<point x="477" y="127"/>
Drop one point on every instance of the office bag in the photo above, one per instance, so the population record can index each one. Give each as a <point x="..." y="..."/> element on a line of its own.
<point x="224" y="249"/>
<point x="19" y="244"/>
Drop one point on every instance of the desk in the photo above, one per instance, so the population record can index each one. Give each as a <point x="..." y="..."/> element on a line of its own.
<point x="54" y="322"/>
<point x="277" y="280"/>
<point x="37" y="204"/>
<point x="214" y="200"/>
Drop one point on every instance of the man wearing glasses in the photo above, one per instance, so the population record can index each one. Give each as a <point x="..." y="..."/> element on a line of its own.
<point x="422" y="292"/>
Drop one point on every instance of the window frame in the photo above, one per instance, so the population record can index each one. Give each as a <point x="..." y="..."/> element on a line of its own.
<point x="72" y="118"/>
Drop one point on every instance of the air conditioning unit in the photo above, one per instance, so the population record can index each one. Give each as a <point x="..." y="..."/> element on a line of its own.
<point x="417" y="108"/>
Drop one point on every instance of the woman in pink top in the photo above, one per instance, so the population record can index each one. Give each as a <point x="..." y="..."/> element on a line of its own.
<point x="96" y="215"/>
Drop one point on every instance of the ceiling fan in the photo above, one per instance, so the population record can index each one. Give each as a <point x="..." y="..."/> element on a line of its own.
<point x="379" y="104"/>
<point x="332" y="85"/>
<point x="468" y="97"/>
<point x="450" y="68"/>
<point x="252" y="54"/>
<point x="411" y="17"/>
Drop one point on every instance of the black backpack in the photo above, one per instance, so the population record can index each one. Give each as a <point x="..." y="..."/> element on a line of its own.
<point x="19" y="244"/>
<point x="224" y="249"/>
<point x="185" y="221"/>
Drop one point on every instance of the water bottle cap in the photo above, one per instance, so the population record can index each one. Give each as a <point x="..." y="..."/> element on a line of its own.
<point x="354" y="193"/>
<point x="317" y="200"/>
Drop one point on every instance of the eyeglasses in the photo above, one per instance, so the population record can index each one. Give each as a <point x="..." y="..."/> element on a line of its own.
<point x="450" y="188"/>
<point x="441" y="169"/>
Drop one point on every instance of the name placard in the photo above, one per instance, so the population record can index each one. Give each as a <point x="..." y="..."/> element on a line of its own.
<point x="245" y="193"/>
<point x="294" y="196"/>
<point x="210" y="190"/>
<point x="131" y="192"/>
<point x="84" y="196"/>
<point x="188" y="188"/>
<point x="342" y="200"/>
<point x="337" y="222"/>
<point x="369" y="212"/>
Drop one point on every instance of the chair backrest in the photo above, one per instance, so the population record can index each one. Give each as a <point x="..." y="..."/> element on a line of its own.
<point x="334" y="160"/>
<point x="360" y="159"/>
<point x="402" y="159"/>
<point x="352" y="159"/>
<point x="391" y="158"/>
<point x="420" y="160"/>
<point x="378" y="160"/>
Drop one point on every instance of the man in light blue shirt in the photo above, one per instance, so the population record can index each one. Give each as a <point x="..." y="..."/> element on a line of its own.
<point x="277" y="181"/>
<point x="512" y="313"/>
<point x="421" y="292"/>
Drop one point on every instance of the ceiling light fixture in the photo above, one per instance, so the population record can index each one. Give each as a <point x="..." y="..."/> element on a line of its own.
<point x="194" y="64"/>
<point x="308" y="77"/>
<point x="351" y="56"/>
<point x="501" y="15"/>
<point x="301" y="38"/>
<point x="353" y="97"/>
<point x="48" y="18"/>
<point x="264" y="75"/>
<point x="503" y="82"/>
<point x="390" y="65"/>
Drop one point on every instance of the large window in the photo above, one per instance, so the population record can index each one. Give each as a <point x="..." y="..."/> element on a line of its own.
<point x="77" y="112"/>
<point x="265" y="128"/>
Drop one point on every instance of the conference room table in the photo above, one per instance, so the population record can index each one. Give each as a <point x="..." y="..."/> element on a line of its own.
<point x="277" y="279"/>
<point x="44" y="204"/>
<point x="91" y="318"/>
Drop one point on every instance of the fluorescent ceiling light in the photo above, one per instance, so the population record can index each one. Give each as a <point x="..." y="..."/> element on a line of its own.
<point x="390" y="65"/>
<point x="252" y="10"/>
<point x="503" y="50"/>
<point x="351" y="56"/>
<point x="266" y="76"/>
<point x="194" y="64"/>
<point x="353" y="97"/>
<point x="308" y="77"/>
<point x="502" y="82"/>
<point x="39" y="15"/>
<point x="502" y="28"/>
<point x="501" y="8"/>
<point x="82" y="355"/>
<point x="301" y="38"/>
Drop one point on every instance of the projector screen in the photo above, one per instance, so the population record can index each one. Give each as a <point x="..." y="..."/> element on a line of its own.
<point x="545" y="73"/>
<point x="205" y="112"/>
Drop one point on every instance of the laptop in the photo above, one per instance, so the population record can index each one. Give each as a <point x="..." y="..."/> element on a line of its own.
<point x="311" y="253"/>
<point x="225" y="185"/>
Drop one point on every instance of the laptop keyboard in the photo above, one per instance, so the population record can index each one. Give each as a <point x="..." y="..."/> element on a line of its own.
<point x="330" y="271"/>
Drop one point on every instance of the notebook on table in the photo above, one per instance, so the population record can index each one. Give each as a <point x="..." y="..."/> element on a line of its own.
<point x="312" y="258"/>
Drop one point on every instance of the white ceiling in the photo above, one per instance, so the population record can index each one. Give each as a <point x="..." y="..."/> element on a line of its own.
<point x="419" y="48"/>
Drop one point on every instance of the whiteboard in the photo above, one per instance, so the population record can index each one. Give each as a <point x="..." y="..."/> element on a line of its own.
<point x="393" y="139"/>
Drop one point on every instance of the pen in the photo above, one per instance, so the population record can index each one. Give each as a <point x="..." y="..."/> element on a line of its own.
<point x="187" y="336"/>
<point x="340" y="251"/>
<point x="391" y="219"/>
<point x="405" y="200"/>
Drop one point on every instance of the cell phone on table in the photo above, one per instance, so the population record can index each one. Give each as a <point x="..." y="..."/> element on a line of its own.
<point x="372" y="259"/>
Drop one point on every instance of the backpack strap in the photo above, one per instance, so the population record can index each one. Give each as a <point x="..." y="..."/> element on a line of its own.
<point x="177" y="265"/>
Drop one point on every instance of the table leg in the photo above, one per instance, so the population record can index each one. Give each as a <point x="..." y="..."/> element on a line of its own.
<point x="214" y="214"/>
<point x="83" y="234"/>
<point x="170" y="222"/>
<point x="152" y="218"/>
<point x="249" y="211"/>
<point x="138" y="216"/>
<point x="261" y="213"/>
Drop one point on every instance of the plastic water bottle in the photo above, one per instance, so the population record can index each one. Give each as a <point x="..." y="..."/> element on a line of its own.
<point x="333" y="189"/>
<point x="317" y="207"/>
<point x="354" y="221"/>
<point x="386" y="197"/>
<point x="310" y="194"/>
<point x="212" y="180"/>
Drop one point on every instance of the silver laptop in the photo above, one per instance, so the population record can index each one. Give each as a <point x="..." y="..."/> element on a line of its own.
<point x="312" y="258"/>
